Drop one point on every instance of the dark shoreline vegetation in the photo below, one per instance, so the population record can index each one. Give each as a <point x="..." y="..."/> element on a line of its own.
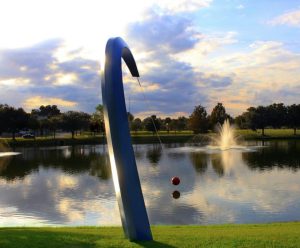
<point x="149" y="138"/>
<point x="49" y="121"/>
<point x="285" y="234"/>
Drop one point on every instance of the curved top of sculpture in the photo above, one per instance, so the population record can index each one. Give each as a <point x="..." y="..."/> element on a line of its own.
<point x="125" y="175"/>
<point x="117" y="48"/>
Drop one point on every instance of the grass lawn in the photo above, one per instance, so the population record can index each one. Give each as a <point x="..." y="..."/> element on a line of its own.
<point x="252" y="235"/>
<point x="269" y="133"/>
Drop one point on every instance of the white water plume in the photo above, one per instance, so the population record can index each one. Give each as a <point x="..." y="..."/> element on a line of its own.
<point x="227" y="137"/>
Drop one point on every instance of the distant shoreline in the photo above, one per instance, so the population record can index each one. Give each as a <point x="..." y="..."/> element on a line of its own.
<point x="271" y="134"/>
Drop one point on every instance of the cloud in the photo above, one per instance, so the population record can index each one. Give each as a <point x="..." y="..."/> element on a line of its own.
<point x="291" y="18"/>
<point x="178" y="6"/>
<point x="37" y="101"/>
<point x="14" y="82"/>
<point x="170" y="45"/>
<point x="264" y="73"/>
<point x="285" y="94"/>
<point x="172" y="33"/>
<point x="217" y="81"/>
<point x="38" y="75"/>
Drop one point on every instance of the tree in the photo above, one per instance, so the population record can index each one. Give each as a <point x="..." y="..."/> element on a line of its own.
<point x="43" y="115"/>
<point x="241" y="121"/>
<point x="218" y="115"/>
<point x="257" y="118"/>
<point x="174" y="125"/>
<point x="167" y="122"/>
<point x="151" y="124"/>
<point x="46" y="111"/>
<point x="97" y="120"/>
<point x="136" y="125"/>
<point x="293" y="117"/>
<point x="98" y="114"/>
<point x="182" y="123"/>
<point x="33" y="123"/>
<point x="130" y="118"/>
<point x="198" y="121"/>
<point x="277" y="115"/>
<point x="54" y="123"/>
<point x="12" y="119"/>
<point x="73" y="121"/>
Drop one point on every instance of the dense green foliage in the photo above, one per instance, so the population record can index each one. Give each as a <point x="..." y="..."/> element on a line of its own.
<point x="198" y="121"/>
<point x="12" y="119"/>
<point x="218" y="115"/>
<point x="253" y="235"/>
<point x="276" y="115"/>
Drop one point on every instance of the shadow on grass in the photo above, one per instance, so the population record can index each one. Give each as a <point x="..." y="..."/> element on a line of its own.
<point x="152" y="243"/>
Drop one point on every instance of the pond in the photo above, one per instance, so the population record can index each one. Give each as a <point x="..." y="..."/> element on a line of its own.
<point x="73" y="185"/>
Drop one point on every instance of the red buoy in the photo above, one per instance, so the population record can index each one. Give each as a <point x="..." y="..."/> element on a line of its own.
<point x="175" y="180"/>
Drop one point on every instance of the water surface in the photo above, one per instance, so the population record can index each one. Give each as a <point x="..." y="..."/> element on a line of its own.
<point x="73" y="185"/>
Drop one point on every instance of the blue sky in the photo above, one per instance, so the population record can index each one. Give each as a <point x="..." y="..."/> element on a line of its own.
<point x="189" y="52"/>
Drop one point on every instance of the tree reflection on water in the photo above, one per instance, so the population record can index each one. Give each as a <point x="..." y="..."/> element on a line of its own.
<point x="70" y="160"/>
<point x="283" y="155"/>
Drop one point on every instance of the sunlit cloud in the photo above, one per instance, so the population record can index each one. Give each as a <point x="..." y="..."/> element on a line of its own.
<point x="37" y="101"/>
<point x="291" y="18"/>
<point x="65" y="79"/>
<point x="171" y="6"/>
<point x="15" y="82"/>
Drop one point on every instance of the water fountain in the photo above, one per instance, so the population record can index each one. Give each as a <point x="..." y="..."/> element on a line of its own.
<point x="226" y="139"/>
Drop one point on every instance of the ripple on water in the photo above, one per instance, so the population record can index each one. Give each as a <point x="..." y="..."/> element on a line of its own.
<point x="213" y="149"/>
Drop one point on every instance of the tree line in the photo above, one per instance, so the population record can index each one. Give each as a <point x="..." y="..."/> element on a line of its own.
<point x="49" y="118"/>
<point x="276" y="115"/>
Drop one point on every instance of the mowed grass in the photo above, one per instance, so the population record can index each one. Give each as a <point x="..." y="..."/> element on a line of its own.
<point x="253" y="235"/>
<point x="269" y="133"/>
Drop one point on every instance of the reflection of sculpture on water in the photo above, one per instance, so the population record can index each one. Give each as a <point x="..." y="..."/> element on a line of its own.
<point x="6" y="151"/>
<point x="284" y="155"/>
<point x="154" y="154"/>
<point x="71" y="160"/>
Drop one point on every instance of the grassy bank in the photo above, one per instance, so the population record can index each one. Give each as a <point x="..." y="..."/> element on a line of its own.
<point x="90" y="140"/>
<point x="260" y="235"/>
<point x="144" y="137"/>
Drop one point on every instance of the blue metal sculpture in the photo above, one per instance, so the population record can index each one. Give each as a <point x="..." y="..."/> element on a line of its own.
<point x="125" y="175"/>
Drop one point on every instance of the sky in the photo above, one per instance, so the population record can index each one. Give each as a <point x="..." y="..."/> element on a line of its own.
<point x="239" y="52"/>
